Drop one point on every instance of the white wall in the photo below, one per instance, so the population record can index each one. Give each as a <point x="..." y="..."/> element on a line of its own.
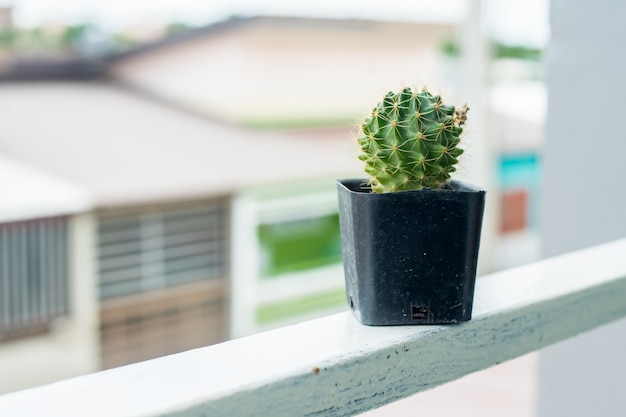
<point x="72" y="347"/>
<point x="584" y="199"/>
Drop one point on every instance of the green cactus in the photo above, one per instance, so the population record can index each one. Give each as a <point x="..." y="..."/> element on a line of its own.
<point x="410" y="141"/>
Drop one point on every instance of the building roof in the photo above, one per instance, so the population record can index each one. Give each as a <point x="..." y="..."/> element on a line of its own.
<point x="34" y="68"/>
<point x="290" y="23"/>
<point x="122" y="148"/>
<point x="30" y="193"/>
<point x="182" y="37"/>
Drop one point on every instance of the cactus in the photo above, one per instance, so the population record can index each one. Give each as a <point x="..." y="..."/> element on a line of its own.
<point x="410" y="141"/>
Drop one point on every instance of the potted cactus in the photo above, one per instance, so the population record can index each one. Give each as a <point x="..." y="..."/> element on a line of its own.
<point x="410" y="234"/>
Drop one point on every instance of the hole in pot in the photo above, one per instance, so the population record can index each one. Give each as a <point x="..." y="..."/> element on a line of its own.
<point x="419" y="313"/>
<point x="351" y="303"/>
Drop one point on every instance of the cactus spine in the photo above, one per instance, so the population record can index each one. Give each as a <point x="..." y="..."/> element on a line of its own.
<point x="410" y="141"/>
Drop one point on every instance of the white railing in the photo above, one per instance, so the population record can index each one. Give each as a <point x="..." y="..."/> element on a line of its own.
<point x="336" y="367"/>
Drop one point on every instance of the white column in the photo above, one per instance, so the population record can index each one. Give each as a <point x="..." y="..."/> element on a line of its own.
<point x="478" y="162"/>
<point x="583" y="196"/>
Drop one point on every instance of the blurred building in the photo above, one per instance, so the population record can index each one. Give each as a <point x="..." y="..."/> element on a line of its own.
<point x="163" y="183"/>
<point x="158" y="245"/>
<point x="518" y="111"/>
<point x="198" y="228"/>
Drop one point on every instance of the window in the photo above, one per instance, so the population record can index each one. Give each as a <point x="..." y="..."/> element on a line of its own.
<point x="300" y="244"/>
<point x="33" y="276"/>
<point x="158" y="247"/>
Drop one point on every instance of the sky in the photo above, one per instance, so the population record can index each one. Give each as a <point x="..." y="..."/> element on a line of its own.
<point x="513" y="21"/>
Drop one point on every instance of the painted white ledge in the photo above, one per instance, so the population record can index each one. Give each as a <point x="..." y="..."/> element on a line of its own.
<point x="336" y="367"/>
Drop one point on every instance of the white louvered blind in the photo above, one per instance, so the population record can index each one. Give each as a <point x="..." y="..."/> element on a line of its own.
<point x="33" y="275"/>
<point x="158" y="247"/>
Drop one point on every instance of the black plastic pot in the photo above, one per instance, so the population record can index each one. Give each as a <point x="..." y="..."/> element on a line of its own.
<point x="410" y="257"/>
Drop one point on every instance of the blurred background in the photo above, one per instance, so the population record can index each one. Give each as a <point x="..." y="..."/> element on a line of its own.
<point x="168" y="167"/>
